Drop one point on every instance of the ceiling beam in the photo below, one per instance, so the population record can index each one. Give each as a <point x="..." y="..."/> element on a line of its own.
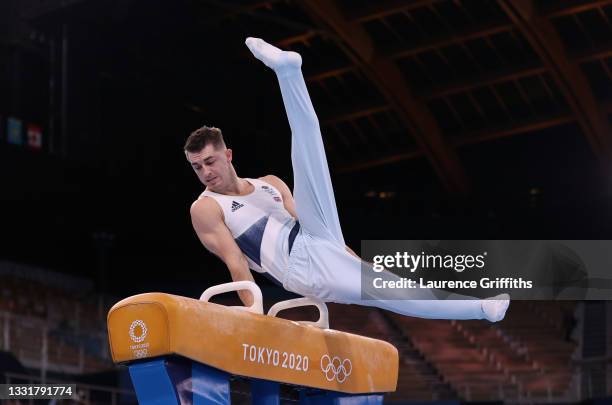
<point x="546" y="42"/>
<point x="474" y="33"/>
<point x="368" y="164"/>
<point x="353" y="115"/>
<point x="300" y="38"/>
<point x="598" y="52"/>
<point x="382" y="72"/>
<point x="472" y="138"/>
<point x="587" y="55"/>
<point x="490" y="134"/>
<point x="561" y="9"/>
<point x="485" y="80"/>
<point x="483" y="135"/>
<point x="378" y="10"/>
<point x="513" y="129"/>
<point x="231" y="11"/>
<point x="513" y="74"/>
<point x="315" y="77"/>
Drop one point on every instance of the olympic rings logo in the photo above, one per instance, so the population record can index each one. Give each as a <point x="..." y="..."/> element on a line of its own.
<point x="143" y="328"/>
<point x="336" y="369"/>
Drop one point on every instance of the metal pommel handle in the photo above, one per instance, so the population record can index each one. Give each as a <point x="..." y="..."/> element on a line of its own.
<point x="257" y="306"/>
<point x="323" y="321"/>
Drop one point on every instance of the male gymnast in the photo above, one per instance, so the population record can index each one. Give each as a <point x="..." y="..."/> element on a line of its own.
<point x="296" y="239"/>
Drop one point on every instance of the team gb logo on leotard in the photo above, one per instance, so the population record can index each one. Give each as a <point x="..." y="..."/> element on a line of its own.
<point x="335" y="368"/>
<point x="273" y="193"/>
<point x="142" y="332"/>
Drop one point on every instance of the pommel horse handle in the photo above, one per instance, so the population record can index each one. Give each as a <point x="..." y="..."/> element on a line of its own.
<point x="323" y="321"/>
<point x="257" y="306"/>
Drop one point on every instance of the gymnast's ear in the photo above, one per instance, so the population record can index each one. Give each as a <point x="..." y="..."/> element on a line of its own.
<point x="228" y="154"/>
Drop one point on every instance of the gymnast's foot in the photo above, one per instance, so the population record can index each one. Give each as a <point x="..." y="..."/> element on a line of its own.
<point x="271" y="56"/>
<point x="494" y="309"/>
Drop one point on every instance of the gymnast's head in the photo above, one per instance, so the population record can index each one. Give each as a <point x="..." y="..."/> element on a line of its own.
<point x="209" y="157"/>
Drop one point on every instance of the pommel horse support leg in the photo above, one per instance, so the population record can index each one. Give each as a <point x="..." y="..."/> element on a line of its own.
<point x="185" y="351"/>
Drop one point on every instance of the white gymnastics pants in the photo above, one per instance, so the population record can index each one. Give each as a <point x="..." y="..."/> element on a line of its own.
<point x="319" y="265"/>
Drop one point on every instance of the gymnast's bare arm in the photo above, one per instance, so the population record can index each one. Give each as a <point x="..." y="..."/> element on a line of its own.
<point x="288" y="200"/>
<point x="207" y="220"/>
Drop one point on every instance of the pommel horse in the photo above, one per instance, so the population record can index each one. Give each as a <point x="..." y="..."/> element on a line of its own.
<point x="185" y="351"/>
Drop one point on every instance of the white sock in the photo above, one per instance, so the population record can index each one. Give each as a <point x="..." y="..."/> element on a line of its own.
<point x="278" y="60"/>
<point x="494" y="309"/>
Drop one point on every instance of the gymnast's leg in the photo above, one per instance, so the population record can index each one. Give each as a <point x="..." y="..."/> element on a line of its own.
<point x="345" y="286"/>
<point x="312" y="188"/>
<point x="338" y="274"/>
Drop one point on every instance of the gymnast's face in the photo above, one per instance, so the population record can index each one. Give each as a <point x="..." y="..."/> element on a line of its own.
<point x="212" y="166"/>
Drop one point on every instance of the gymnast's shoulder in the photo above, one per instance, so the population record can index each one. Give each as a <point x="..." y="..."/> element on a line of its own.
<point x="205" y="211"/>
<point x="275" y="181"/>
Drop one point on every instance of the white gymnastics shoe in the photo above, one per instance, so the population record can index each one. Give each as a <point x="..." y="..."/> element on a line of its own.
<point x="494" y="308"/>
<point x="271" y="56"/>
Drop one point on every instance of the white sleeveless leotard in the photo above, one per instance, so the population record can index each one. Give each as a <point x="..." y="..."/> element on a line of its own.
<point x="261" y="226"/>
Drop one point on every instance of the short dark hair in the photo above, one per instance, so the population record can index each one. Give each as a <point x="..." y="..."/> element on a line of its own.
<point x="202" y="137"/>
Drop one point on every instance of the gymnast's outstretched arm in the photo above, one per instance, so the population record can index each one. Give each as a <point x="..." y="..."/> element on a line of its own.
<point x="207" y="220"/>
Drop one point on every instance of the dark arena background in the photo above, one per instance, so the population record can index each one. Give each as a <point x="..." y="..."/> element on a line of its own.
<point x="441" y="119"/>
